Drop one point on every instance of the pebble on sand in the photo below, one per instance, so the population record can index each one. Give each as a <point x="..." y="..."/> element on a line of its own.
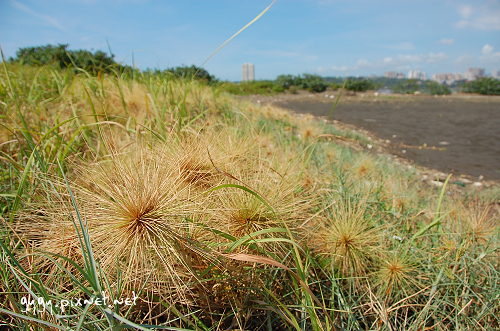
<point x="435" y="182"/>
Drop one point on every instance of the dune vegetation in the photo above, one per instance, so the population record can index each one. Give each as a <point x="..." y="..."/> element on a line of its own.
<point x="211" y="213"/>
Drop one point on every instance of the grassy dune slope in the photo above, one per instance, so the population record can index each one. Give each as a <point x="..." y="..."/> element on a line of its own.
<point x="216" y="214"/>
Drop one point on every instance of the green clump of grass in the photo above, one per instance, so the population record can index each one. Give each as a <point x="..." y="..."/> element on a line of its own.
<point x="264" y="87"/>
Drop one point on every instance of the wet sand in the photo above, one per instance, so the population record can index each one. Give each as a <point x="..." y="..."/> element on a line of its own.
<point x="462" y="135"/>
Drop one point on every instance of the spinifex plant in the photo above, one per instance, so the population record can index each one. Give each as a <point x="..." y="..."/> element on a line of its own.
<point x="348" y="238"/>
<point x="135" y="210"/>
<point x="220" y="214"/>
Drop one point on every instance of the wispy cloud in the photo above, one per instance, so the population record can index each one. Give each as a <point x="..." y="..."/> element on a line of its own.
<point x="404" y="46"/>
<point x="464" y="60"/>
<point x="439" y="57"/>
<point x="46" y="18"/>
<point x="465" y="11"/>
<point x="283" y="54"/>
<point x="446" y="41"/>
<point x="485" y="17"/>
<point x="400" y="62"/>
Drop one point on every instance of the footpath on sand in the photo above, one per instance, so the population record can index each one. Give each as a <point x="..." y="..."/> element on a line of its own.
<point x="457" y="134"/>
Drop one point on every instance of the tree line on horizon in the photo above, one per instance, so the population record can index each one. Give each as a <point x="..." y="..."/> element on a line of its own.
<point x="98" y="62"/>
<point x="94" y="63"/>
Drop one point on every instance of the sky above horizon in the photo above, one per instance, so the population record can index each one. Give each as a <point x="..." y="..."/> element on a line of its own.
<point x="329" y="38"/>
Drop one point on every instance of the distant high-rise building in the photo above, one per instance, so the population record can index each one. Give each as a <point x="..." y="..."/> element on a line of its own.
<point x="247" y="72"/>
<point x="457" y="76"/>
<point x="414" y="74"/>
<point x="495" y="74"/>
<point x="390" y="74"/>
<point x="442" y="76"/>
<point x="473" y="73"/>
<point x="417" y="74"/>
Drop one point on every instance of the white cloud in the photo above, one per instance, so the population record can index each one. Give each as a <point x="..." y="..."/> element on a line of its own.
<point x="283" y="54"/>
<point x="48" y="19"/>
<point x="404" y="46"/>
<point x="343" y="68"/>
<point x="362" y="63"/>
<point x="439" y="57"/>
<point x="487" y="49"/>
<point x="464" y="61"/>
<point x="400" y="62"/>
<point x="465" y="11"/>
<point x="486" y="17"/>
<point x="446" y="41"/>
<point x="488" y="55"/>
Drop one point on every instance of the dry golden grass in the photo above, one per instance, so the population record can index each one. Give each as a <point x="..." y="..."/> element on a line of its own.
<point x="150" y="188"/>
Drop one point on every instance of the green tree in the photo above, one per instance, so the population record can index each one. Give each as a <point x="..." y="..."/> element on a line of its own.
<point x="483" y="85"/>
<point x="435" y="88"/>
<point x="189" y="72"/>
<point x="359" y="85"/>
<point x="313" y="83"/>
<point x="286" y="81"/>
<point x="61" y="57"/>
<point x="408" y="86"/>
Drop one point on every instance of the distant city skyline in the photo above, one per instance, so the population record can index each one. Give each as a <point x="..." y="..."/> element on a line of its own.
<point x="325" y="37"/>
<point x="442" y="77"/>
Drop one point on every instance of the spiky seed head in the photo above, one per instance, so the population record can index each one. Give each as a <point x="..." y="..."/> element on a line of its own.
<point x="397" y="275"/>
<point x="140" y="217"/>
<point x="276" y="198"/>
<point x="347" y="238"/>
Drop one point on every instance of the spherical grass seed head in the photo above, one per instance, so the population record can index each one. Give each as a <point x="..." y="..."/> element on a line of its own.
<point x="270" y="197"/>
<point x="199" y="161"/>
<point x="347" y="237"/>
<point x="397" y="275"/>
<point x="141" y="220"/>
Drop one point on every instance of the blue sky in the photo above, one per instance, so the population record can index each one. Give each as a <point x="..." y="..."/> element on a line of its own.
<point x="330" y="38"/>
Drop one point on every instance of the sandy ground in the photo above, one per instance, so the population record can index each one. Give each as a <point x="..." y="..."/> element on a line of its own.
<point x="457" y="134"/>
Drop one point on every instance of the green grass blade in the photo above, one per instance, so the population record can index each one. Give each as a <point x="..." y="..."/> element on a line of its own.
<point x="32" y="319"/>
<point x="20" y="188"/>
